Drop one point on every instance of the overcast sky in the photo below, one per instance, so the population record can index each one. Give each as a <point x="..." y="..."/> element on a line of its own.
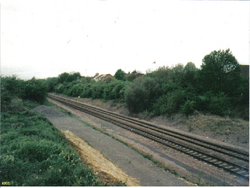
<point x="46" y="38"/>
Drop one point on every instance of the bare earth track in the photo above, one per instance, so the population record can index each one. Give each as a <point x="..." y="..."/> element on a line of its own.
<point x="231" y="159"/>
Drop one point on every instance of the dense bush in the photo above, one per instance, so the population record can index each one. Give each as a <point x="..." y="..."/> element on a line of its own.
<point x="217" y="88"/>
<point x="141" y="94"/>
<point x="35" y="153"/>
<point x="120" y="75"/>
<point x="97" y="90"/>
<point x="35" y="90"/>
<point x="169" y="103"/>
<point x="51" y="83"/>
<point x="219" y="104"/>
<point x="220" y="72"/>
<point x="188" y="107"/>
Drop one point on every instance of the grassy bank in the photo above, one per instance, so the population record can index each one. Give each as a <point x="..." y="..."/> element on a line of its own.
<point x="35" y="153"/>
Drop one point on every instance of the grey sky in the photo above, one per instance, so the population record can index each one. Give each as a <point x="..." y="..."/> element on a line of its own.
<point x="46" y="38"/>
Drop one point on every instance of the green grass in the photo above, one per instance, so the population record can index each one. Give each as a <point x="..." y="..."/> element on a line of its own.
<point x="35" y="153"/>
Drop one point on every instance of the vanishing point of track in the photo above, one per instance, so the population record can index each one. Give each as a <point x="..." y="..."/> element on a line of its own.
<point x="231" y="159"/>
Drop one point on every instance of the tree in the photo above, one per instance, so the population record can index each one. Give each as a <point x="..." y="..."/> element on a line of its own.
<point x="74" y="77"/>
<point x="120" y="75"/>
<point x="190" y="66"/>
<point x="177" y="74"/>
<point x="51" y="83"/>
<point x="220" y="72"/>
<point x="189" y="75"/>
<point x="63" y="77"/>
<point x="141" y="94"/>
<point x="35" y="90"/>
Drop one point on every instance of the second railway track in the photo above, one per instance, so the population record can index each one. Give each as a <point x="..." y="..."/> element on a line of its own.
<point x="231" y="159"/>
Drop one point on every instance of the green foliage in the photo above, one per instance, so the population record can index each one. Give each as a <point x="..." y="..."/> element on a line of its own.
<point x="35" y="90"/>
<point x="35" y="153"/>
<point x="5" y="99"/>
<point x="141" y="94"/>
<point x="76" y="90"/>
<point x="161" y="75"/>
<point x="86" y="91"/>
<point x="132" y="76"/>
<point x="220" y="72"/>
<point x="218" y="79"/>
<point x="97" y="90"/>
<point x="114" y="90"/>
<point x="190" y="72"/>
<point x="177" y="74"/>
<point x="108" y="79"/>
<point x="66" y="77"/>
<point x="59" y="88"/>
<point x="120" y="75"/>
<point x="219" y="104"/>
<point x="169" y="103"/>
<point x="63" y="77"/>
<point x="12" y="85"/>
<point x="188" y="107"/>
<point x="51" y="83"/>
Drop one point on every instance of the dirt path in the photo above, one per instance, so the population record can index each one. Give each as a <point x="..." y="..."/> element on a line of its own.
<point x="98" y="162"/>
<point x="128" y="160"/>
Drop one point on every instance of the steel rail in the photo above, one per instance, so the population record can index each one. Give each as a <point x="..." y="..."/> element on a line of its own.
<point x="241" y="155"/>
<point x="154" y="135"/>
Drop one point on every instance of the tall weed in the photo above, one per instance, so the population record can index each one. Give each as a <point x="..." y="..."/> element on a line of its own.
<point x="35" y="153"/>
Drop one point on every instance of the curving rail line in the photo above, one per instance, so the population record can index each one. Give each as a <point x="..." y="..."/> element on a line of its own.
<point x="230" y="159"/>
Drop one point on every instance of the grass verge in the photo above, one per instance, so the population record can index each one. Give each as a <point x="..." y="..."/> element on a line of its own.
<point x="35" y="153"/>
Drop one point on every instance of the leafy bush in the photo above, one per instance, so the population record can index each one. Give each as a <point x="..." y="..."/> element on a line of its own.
<point x="188" y="107"/>
<point x="35" y="153"/>
<point x="141" y="94"/>
<point x="5" y="97"/>
<point x="35" y="90"/>
<point x="97" y="90"/>
<point x="87" y="91"/>
<point x="76" y="90"/>
<point x="219" y="104"/>
<point x="169" y="103"/>
<point x="220" y="72"/>
<point x="120" y="75"/>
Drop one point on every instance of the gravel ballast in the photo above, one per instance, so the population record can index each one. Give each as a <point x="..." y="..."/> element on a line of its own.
<point x="126" y="158"/>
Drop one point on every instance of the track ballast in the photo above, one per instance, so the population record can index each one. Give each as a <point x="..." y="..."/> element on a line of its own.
<point x="231" y="159"/>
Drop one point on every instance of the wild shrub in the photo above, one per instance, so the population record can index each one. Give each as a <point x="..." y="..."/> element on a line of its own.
<point x="169" y="103"/>
<point x="35" y="90"/>
<point x="6" y="97"/>
<point x="107" y="92"/>
<point x="141" y="94"/>
<point x="51" y="83"/>
<point x="188" y="107"/>
<point x="75" y="90"/>
<point x="97" y="90"/>
<point x="87" y="91"/>
<point x="35" y="153"/>
<point x="219" y="104"/>
<point x="59" y="88"/>
<point x="118" y="90"/>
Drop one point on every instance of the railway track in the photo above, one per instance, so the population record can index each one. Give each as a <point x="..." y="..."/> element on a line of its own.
<point x="231" y="159"/>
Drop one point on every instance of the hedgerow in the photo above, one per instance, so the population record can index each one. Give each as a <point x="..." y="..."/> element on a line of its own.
<point x="170" y="90"/>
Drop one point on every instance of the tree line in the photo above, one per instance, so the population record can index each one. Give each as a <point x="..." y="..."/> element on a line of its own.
<point x="217" y="87"/>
